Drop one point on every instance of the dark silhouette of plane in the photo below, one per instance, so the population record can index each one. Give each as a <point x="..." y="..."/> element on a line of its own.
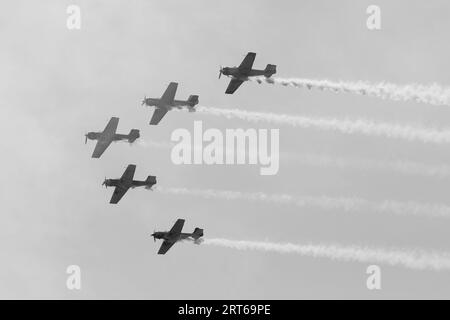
<point x="175" y="235"/>
<point x="167" y="102"/>
<point x="126" y="182"/>
<point x="109" y="135"/>
<point x="244" y="71"/>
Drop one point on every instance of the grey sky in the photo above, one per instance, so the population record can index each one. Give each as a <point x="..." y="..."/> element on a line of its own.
<point x="57" y="84"/>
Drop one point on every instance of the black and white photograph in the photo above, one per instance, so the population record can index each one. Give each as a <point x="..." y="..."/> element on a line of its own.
<point x="232" y="151"/>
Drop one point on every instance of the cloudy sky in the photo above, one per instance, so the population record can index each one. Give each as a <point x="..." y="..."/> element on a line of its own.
<point x="57" y="84"/>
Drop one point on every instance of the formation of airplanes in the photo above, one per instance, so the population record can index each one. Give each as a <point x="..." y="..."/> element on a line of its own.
<point x="162" y="105"/>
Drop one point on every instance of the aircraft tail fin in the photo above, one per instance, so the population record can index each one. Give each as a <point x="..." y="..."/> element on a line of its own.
<point x="193" y="100"/>
<point x="151" y="180"/>
<point x="270" y="70"/>
<point x="134" y="134"/>
<point x="197" y="233"/>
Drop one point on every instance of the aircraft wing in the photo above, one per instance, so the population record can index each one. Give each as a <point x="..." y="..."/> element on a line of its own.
<point x="128" y="175"/>
<point x="119" y="192"/>
<point x="106" y="137"/>
<point x="169" y="95"/>
<point x="158" y="115"/>
<point x="165" y="246"/>
<point x="111" y="127"/>
<point x="100" y="147"/>
<point x="177" y="227"/>
<point x="233" y="86"/>
<point x="247" y="64"/>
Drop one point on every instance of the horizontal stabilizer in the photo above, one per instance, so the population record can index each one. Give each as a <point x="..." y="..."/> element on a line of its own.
<point x="134" y="134"/>
<point x="197" y="233"/>
<point x="193" y="100"/>
<point x="151" y="180"/>
<point x="270" y="70"/>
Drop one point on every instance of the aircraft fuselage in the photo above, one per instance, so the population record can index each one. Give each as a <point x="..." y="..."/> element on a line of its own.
<point x="237" y="74"/>
<point x="126" y="184"/>
<point x="165" y="235"/>
<point x="155" y="102"/>
<point x="100" y="136"/>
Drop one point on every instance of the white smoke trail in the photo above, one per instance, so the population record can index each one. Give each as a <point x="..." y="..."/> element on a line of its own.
<point x="433" y="94"/>
<point x="347" y="126"/>
<point x="321" y="160"/>
<point x="397" y="166"/>
<point x="411" y="259"/>
<point x="155" y="144"/>
<point x="169" y="145"/>
<point x="351" y="205"/>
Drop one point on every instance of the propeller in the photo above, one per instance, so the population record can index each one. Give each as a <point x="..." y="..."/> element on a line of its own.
<point x="220" y="71"/>
<point x="153" y="235"/>
<point x="143" y="101"/>
<point x="86" y="135"/>
<point x="104" y="183"/>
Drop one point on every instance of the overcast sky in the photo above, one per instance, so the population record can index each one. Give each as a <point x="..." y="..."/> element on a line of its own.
<point x="56" y="85"/>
